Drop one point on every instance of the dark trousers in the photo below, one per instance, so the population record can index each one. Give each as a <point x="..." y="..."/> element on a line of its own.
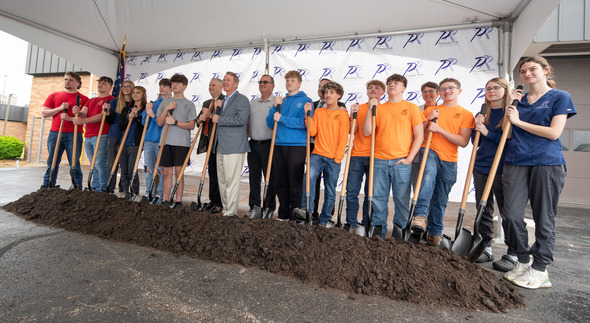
<point x="127" y="161"/>
<point x="486" y="226"/>
<point x="288" y="163"/>
<point x="257" y="166"/>
<point x="214" y="196"/>
<point x="112" y="149"/>
<point x="541" y="185"/>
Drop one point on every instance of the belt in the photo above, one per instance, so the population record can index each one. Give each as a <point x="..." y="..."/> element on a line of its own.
<point x="260" y="142"/>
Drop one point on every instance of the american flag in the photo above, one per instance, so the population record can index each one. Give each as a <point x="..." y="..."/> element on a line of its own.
<point x="120" y="71"/>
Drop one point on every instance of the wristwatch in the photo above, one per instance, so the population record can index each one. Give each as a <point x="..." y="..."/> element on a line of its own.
<point x="176" y="122"/>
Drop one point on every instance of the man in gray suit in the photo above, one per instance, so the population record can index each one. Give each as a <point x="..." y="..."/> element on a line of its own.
<point x="231" y="142"/>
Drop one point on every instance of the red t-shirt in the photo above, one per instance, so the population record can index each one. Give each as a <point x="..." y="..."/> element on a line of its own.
<point x="55" y="99"/>
<point x="95" y="107"/>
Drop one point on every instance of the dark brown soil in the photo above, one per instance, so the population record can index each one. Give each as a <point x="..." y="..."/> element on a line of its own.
<point x="319" y="256"/>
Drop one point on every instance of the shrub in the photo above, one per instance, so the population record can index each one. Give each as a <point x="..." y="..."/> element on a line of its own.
<point x="10" y="147"/>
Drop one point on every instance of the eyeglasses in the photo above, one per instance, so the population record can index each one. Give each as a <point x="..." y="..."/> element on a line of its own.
<point x="264" y="82"/>
<point x="429" y="92"/>
<point x="493" y="88"/>
<point x="127" y="86"/>
<point x="450" y="89"/>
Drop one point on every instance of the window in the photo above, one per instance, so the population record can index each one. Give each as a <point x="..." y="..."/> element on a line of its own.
<point x="581" y="141"/>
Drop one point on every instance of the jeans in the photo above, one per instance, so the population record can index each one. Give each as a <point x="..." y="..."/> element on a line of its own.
<point x="397" y="178"/>
<point x="67" y="144"/>
<point x="150" y="154"/>
<point x="100" y="173"/>
<point x="359" y="167"/>
<point x="439" y="178"/>
<point x="331" y="170"/>
<point x="112" y="149"/>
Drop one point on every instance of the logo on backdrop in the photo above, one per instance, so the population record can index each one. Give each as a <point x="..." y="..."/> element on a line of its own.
<point x="179" y="56"/>
<point x="197" y="56"/>
<point x="412" y="96"/>
<point x="327" y="45"/>
<point x="159" y="77"/>
<point x="381" y="68"/>
<point x="353" y="97"/>
<point x="353" y="72"/>
<point x="305" y="74"/>
<point x="127" y="77"/>
<point x="413" y="68"/>
<point x="482" y="64"/>
<point x="482" y="32"/>
<point x="216" y="54"/>
<point x="446" y="38"/>
<point x="414" y="38"/>
<point x="256" y="76"/>
<point x="196" y="77"/>
<point x="447" y="63"/>
<point x="131" y="60"/>
<point x="196" y="99"/>
<point x="216" y="76"/>
<point x="355" y="43"/>
<point x="278" y="71"/>
<point x="146" y="60"/>
<point x="143" y="77"/>
<point x="257" y="51"/>
<point x="236" y="54"/>
<point x="382" y="43"/>
<point x="481" y="94"/>
<point x="254" y="97"/>
<point x="327" y="72"/>
<point x="279" y="94"/>
<point x="163" y="58"/>
<point x="277" y="50"/>
<point x="302" y="48"/>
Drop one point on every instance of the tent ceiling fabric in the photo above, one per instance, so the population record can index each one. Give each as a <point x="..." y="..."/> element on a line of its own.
<point x="89" y="32"/>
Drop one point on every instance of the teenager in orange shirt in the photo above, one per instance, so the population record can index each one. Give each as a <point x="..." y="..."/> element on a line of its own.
<point x="330" y="126"/>
<point x="396" y="121"/>
<point x="451" y="130"/>
<point x="359" y="160"/>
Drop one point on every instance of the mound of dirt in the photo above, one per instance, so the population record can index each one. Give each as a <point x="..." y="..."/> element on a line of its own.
<point x="319" y="256"/>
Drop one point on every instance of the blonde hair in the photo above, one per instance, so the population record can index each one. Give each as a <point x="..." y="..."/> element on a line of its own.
<point x="504" y="84"/>
<point x="545" y="65"/>
<point x="121" y="103"/>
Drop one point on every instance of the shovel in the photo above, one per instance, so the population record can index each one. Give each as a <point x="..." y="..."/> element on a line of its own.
<point x="369" y="229"/>
<point x="55" y="152"/>
<point x="308" y="218"/>
<point x="346" y="168"/>
<point x="199" y="205"/>
<point x="104" y="115"/>
<point x="179" y="177"/>
<point x="112" y="174"/>
<point x="130" y="196"/>
<point x="150" y="198"/>
<point x="257" y="211"/>
<point x="405" y="234"/>
<point x="74" y="152"/>
<point x="463" y="237"/>
<point x="480" y="243"/>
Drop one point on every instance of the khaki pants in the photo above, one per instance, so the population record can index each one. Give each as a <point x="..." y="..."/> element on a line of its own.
<point x="229" y="169"/>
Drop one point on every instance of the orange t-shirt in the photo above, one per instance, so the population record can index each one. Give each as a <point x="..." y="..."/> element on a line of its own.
<point x="330" y="128"/>
<point x="394" y="130"/>
<point x="361" y="146"/>
<point x="452" y="119"/>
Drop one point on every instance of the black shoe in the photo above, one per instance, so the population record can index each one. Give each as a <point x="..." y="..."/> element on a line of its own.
<point x="176" y="205"/>
<point x="216" y="209"/>
<point x="207" y="206"/>
<point x="298" y="214"/>
<point x="504" y="264"/>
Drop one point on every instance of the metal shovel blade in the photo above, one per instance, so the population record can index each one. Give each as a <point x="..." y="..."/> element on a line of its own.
<point x="256" y="212"/>
<point x="397" y="233"/>
<point x="462" y="243"/>
<point x="267" y="213"/>
<point x="478" y="249"/>
<point x="445" y="242"/>
<point x="360" y="230"/>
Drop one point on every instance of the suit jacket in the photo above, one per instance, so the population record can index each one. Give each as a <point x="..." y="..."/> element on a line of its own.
<point x="232" y="136"/>
<point x="203" y="142"/>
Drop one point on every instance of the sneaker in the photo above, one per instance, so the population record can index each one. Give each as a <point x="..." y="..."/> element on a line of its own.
<point x="518" y="271"/>
<point x="533" y="279"/>
<point x="418" y="224"/>
<point x="433" y="240"/>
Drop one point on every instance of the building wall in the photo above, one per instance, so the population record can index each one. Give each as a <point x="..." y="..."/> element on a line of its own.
<point x="41" y="88"/>
<point x="15" y="129"/>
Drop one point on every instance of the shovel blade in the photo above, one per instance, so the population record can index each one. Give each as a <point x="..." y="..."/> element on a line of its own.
<point x="267" y="213"/>
<point x="478" y="249"/>
<point x="397" y="233"/>
<point x="256" y="213"/>
<point x="360" y="230"/>
<point x="196" y="206"/>
<point x="445" y="242"/>
<point x="462" y="243"/>
<point x="415" y="237"/>
<point x="145" y="199"/>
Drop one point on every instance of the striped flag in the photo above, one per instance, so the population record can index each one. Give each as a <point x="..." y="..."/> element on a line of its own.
<point x="120" y="70"/>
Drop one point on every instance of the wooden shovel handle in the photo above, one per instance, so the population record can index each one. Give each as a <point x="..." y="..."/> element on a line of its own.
<point x="140" y="148"/>
<point x="188" y="156"/>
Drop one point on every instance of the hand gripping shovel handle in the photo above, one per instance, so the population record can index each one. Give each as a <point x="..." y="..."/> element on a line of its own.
<point x="346" y="168"/>
<point x="207" y="156"/>
<point x="468" y="178"/>
<point x="74" y="150"/>
<point x="186" y="159"/>
<point x="55" y="152"/>
<point x="369" y="229"/>
<point x="139" y="150"/>
<point x="92" y="164"/>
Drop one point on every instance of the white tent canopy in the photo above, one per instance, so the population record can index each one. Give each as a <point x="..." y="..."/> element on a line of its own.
<point x="90" y="33"/>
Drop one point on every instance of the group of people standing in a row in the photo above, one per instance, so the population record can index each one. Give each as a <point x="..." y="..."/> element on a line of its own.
<point x="533" y="165"/>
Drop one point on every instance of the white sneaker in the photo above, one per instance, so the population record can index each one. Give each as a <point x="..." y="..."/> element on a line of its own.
<point x="518" y="271"/>
<point x="533" y="279"/>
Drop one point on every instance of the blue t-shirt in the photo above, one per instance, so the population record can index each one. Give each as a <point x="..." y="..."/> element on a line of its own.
<point x="153" y="132"/>
<point x="488" y="145"/>
<point x="527" y="149"/>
